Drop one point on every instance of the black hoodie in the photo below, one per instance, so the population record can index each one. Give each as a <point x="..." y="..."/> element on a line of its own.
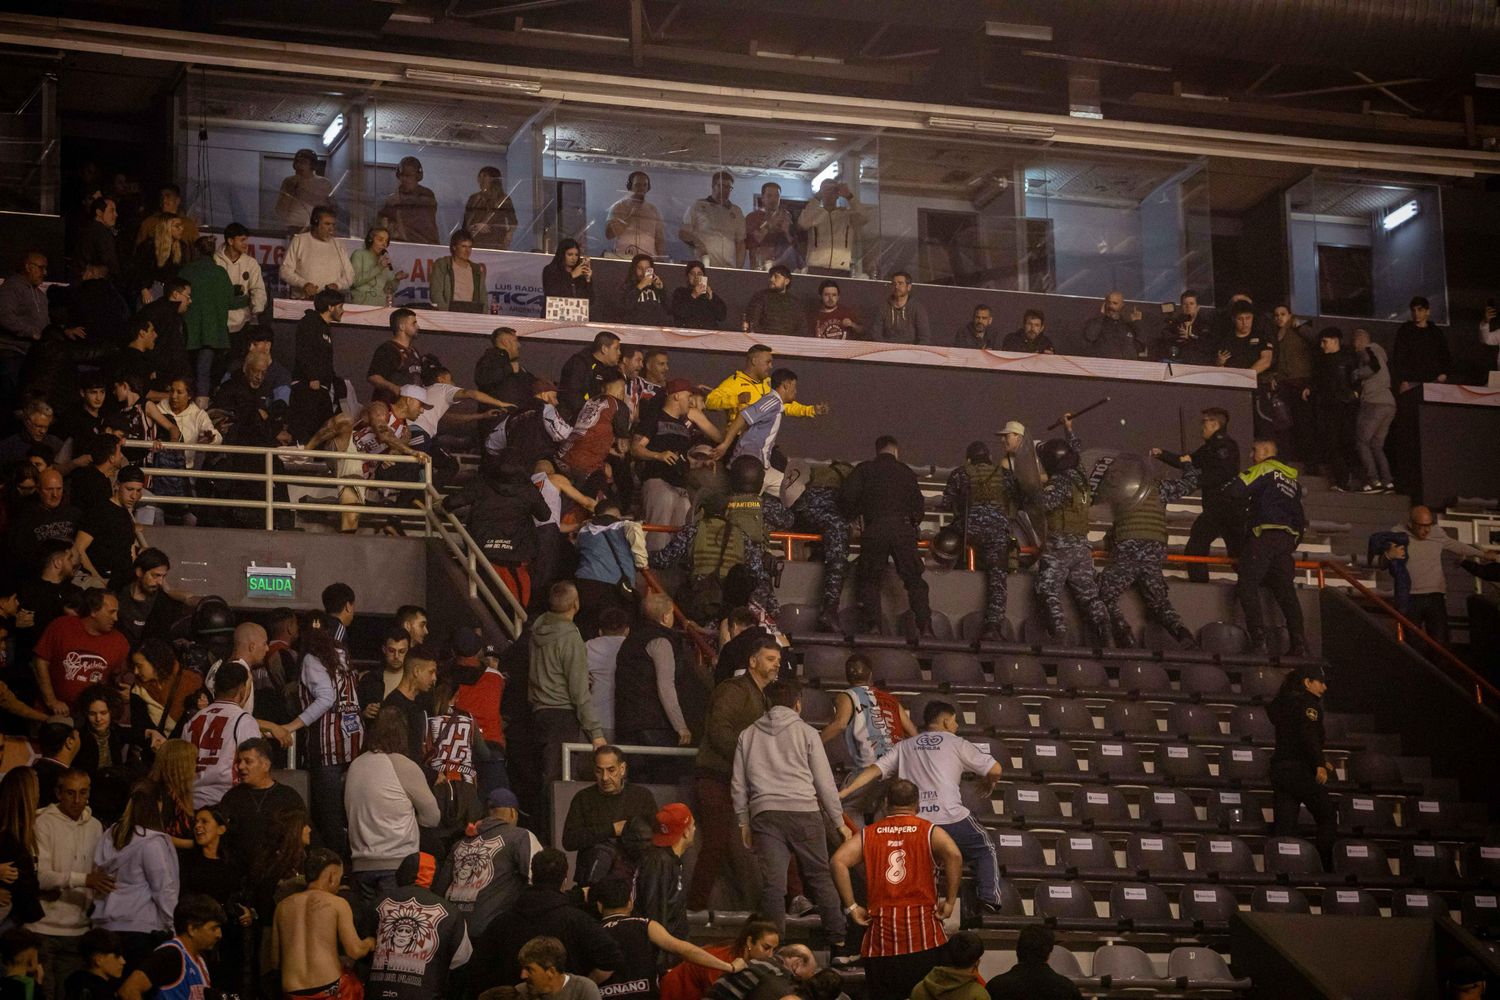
<point x="541" y="912"/>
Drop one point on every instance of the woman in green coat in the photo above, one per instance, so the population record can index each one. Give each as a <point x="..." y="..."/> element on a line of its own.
<point x="457" y="283"/>
<point x="375" y="279"/>
<point x="206" y="322"/>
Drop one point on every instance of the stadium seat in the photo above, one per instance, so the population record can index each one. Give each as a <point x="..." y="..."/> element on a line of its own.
<point x="1245" y="765"/>
<point x="1003" y="712"/>
<point x="1346" y="902"/>
<point x="1063" y="900"/>
<point x="824" y="663"/>
<point x="1064" y="963"/>
<point x="1203" y="968"/>
<point x="849" y="620"/>
<point x="1182" y="762"/>
<point x="1035" y="804"/>
<point x="1279" y="899"/>
<point x="893" y="666"/>
<point x="1222" y="638"/>
<point x="1187" y="721"/>
<point x="976" y="798"/>
<point x="970" y="625"/>
<point x="1429" y="817"/>
<point x="1139" y="902"/>
<point x="817" y="707"/>
<point x="916" y="705"/>
<point x="1019" y="850"/>
<point x="1168" y="807"/>
<point x="942" y="625"/>
<point x="1262" y="682"/>
<point x="1223" y="855"/>
<point x="1086" y="852"/>
<point x="1066" y="716"/>
<point x="1234" y="809"/>
<point x="1124" y="963"/>
<point x="797" y="619"/>
<point x="1251" y="723"/>
<point x="1209" y="905"/>
<point x="1292" y="856"/>
<point x="1481" y="862"/>
<point x="1049" y="757"/>
<point x="1011" y="904"/>
<point x="1362" y="813"/>
<point x="1082" y="675"/>
<point x="1370" y="768"/>
<point x="1204" y="679"/>
<point x="1428" y="864"/>
<point x="957" y="668"/>
<point x="1130" y="718"/>
<point x="1140" y="678"/>
<point x="1100" y="806"/>
<point x="1117" y="761"/>
<point x="1363" y="859"/>
<point x="1019" y="671"/>
<point x="1417" y="903"/>
<point x="1480" y="913"/>
<point x="1150" y="855"/>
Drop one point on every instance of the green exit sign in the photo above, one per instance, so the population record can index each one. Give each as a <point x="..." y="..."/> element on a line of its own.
<point x="277" y="582"/>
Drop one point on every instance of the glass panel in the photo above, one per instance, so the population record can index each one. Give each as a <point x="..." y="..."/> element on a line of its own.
<point x="1362" y="247"/>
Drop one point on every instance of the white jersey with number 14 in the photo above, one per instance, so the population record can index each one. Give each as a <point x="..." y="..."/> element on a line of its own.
<point x="217" y="731"/>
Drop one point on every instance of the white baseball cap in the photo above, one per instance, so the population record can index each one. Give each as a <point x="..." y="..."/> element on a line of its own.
<point x="418" y="393"/>
<point x="1013" y="427"/>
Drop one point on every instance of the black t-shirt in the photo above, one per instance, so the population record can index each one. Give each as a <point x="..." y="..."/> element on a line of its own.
<point x="138" y="364"/>
<point x="36" y="525"/>
<point x="80" y="426"/>
<point x="84" y="985"/>
<point x="416" y="724"/>
<point x="162" y="967"/>
<point x="636" y="980"/>
<point x="250" y="812"/>
<point x="1243" y="351"/>
<point x="88" y="487"/>
<point x="418" y="934"/>
<point x="666" y="433"/>
<point x="134" y="614"/>
<point x="394" y="363"/>
<point x="220" y="879"/>
<point x="113" y="532"/>
<point x="1032" y="982"/>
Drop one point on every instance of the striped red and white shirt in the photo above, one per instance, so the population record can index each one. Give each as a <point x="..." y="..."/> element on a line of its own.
<point x="330" y="710"/>
<point x="902" y="888"/>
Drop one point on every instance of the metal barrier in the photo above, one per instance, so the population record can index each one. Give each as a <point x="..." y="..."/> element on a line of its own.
<point x="484" y="583"/>
<point x="569" y="749"/>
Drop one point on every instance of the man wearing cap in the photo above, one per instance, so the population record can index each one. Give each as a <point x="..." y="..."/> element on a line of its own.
<point x="774" y="309"/>
<point x="1299" y="768"/>
<point x="660" y="444"/>
<point x="419" y="938"/>
<point x="108" y="540"/>
<point x="488" y="868"/>
<point x="660" y="890"/>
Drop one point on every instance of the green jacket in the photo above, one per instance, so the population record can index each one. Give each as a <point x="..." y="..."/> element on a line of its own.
<point x="947" y="983"/>
<point x="206" y="323"/>
<point x="372" y="279"/>
<point x="440" y="285"/>
<point x="559" y="675"/>
<point x="732" y="708"/>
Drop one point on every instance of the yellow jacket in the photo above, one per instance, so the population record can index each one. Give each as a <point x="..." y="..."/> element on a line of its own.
<point x="727" y="397"/>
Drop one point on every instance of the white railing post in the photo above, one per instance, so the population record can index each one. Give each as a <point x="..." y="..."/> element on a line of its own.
<point x="270" y="490"/>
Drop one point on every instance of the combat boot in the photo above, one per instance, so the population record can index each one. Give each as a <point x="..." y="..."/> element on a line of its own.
<point x="1184" y="637"/>
<point x="1124" y="637"/>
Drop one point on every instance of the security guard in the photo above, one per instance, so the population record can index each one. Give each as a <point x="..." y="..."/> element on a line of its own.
<point x="816" y="511"/>
<point x="729" y="531"/>
<point x="1218" y="459"/>
<point x="979" y="493"/>
<point x="885" y="493"/>
<point x="1268" y="557"/>
<point x="1299" y="769"/>
<point x="1067" y="560"/>
<point x="1139" y="546"/>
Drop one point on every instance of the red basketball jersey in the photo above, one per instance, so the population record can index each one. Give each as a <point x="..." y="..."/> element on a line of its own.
<point x="902" y="887"/>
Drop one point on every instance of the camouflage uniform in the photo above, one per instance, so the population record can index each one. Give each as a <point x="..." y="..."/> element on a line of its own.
<point x="678" y="552"/>
<point x="817" y="512"/>
<point x="1136" y="557"/>
<point x="1067" y="560"/>
<point x="993" y="492"/>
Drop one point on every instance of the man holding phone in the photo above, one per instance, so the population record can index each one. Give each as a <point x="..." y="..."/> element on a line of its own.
<point x="832" y="228"/>
<point x="715" y="227"/>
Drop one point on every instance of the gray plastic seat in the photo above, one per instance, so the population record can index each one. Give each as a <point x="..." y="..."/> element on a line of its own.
<point x="970" y="625"/>
<point x="1182" y="762"/>
<point x="1086" y="851"/>
<point x="1417" y="903"/>
<point x="1064" y="900"/>
<point x="1250" y="722"/>
<point x="849" y="620"/>
<point x="975" y="797"/>
<point x="1246" y="765"/>
<point x="1018" y="849"/>
<point x="1233" y="808"/>
<point x="957" y="668"/>
<point x="825" y="663"/>
<point x="1480" y="913"/>
<point x="1168" y="806"/>
<point x="1204" y="679"/>
<point x="1222" y="854"/>
<point x="1368" y="768"/>
<point x="892" y="666"/>
<point x="1432" y="864"/>
<point x="1124" y="963"/>
<point x="1364" y="859"/>
<point x="1279" y="899"/>
<point x="1138" y="677"/>
<point x="1212" y="905"/>
<point x="1130" y="718"/>
<point x="817" y="707"/>
<point x="1035" y="803"/>
<point x="1101" y="806"/>
<point x="1481" y="862"/>
<point x="1262" y="682"/>
<point x="1366" y="812"/>
<point x="1011" y="904"/>
<point x="1430" y="817"/>
<point x="1019" y="671"/>
<point x="1065" y="963"/>
<point x="1066" y="716"/>
<point x="1003" y="711"/>
<point x="1199" y="966"/>
<point x="1344" y="901"/>
<point x="797" y="619"/>
<point x="1155" y="853"/>
<point x="1049" y="757"/>
<point x="1082" y="675"/>
<point x="1187" y="721"/>
<point x="1291" y="856"/>
<point x="1117" y="760"/>
<point x="1139" y="901"/>
<point x="1222" y="638"/>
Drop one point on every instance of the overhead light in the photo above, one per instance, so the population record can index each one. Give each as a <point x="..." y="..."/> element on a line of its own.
<point x="1008" y="29"/>
<point x="995" y="128"/>
<point x="469" y="80"/>
<point x="333" y="131"/>
<point x="1405" y="213"/>
<point x="828" y="173"/>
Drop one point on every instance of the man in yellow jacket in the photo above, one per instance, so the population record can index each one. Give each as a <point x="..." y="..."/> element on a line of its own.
<point x="745" y="388"/>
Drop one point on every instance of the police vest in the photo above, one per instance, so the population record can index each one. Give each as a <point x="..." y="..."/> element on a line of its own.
<point x="743" y="510"/>
<point x="828" y="477"/>
<point x="1146" y="519"/>
<point x="986" y="484"/>
<point x="1072" y="518"/>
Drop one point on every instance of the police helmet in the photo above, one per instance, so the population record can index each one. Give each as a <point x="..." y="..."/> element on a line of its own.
<point x="212" y="617"/>
<point x="947" y="544"/>
<point x="746" y="474"/>
<point x="1057" y="456"/>
<point x="978" y="452"/>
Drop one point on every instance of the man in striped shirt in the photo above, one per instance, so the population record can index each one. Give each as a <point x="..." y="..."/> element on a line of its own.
<point x="905" y="937"/>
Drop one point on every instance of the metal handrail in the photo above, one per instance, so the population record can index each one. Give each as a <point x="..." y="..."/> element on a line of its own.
<point x="633" y="750"/>
<point x="1405" y="625"/>
<point x="483" y="579"/>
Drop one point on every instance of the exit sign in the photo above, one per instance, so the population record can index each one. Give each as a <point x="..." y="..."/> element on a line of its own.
<point x="271" y="582"/>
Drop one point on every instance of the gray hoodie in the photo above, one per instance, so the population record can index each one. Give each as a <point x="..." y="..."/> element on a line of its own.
<point x="559" y="676"/>
<point x="780" y="765"/>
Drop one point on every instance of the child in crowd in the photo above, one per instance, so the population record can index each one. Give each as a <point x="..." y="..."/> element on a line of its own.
<point x="103" y="967"/>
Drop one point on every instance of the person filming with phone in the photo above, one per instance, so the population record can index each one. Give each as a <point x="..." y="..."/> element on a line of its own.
<point x="695" y="305"/>
<point x="641" y="300"/>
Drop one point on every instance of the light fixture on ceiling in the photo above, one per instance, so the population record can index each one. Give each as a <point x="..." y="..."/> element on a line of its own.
<point x="469" y="80"/>
<point x="828" y="173"/>
<point x="333" y="131"/>
<point x="992" y="128"/>
<point x="1405" y="213"/>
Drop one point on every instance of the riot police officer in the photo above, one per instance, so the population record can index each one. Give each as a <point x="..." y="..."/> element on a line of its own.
<point x="1299" y="770"/>
<point x="1269" y="554"/>
<point x="816" y="511"/>
<point x="1139" y="543"/>
<point x="1218" y="460"/>
<point x="980" y="492"/>
<point x="1067" y="559"/>
<point x="886" y="494"/>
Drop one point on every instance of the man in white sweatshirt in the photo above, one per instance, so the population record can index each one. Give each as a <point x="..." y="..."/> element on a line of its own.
<point x="315" y="260"/>
<point x="66" y="834"/>
<point x="786" y="800"/>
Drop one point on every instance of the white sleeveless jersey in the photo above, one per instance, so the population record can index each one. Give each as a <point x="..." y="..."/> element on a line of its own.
<point x="217" y="731"/>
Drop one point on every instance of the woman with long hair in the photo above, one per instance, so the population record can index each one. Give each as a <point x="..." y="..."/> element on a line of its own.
<point x="160" y="257"/>
<point x="163" y="686"/>
<point x="19" y="792"/>
<point x="282" y="846"/>
<point x="642" y="300"/>
<point x="113" y="754"/>
<point x="208" y="870"/>
<point x="569" y="276"/>
<point x="171" y="779"/>
<point x="335" y="728"/>
<point x="375" y="277"/>
<point x="137" y="853"/>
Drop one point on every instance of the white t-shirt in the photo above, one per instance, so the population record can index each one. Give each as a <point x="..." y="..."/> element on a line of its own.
<point x="440" y="396"/>
<point x="935" y="761"/>
<point x="217" y="732"/>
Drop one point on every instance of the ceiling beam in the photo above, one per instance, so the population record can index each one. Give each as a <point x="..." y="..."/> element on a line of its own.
<point x="1369" y="84"/>
<point x="637" y="29"/>
<point x="1418" y="129"/>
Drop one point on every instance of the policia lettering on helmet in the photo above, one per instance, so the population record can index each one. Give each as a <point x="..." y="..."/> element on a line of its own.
<point x="1268" y="556"/>
<point x="980" y="492"/>
<point x="885" y="494"/>
<point x="1067" y="559"/>
<point x="1299" y="769"/>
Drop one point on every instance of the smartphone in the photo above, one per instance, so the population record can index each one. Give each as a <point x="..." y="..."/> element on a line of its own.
<point x="700" y="279"/>
<point x="650" y="272"/>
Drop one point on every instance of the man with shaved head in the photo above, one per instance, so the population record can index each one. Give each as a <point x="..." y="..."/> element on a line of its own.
<point x="45" y="518"/>
<point x="1424" y="561"/>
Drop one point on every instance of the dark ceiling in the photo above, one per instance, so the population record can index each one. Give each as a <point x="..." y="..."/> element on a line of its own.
<point x="1393" y="71"/>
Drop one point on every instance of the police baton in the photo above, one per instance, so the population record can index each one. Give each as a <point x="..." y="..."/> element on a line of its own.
<point x="1078" y="413"/>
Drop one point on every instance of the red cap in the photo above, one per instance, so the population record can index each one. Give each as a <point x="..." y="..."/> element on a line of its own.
<point x="680" y="385"/>
<point x="671" y="820"/>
